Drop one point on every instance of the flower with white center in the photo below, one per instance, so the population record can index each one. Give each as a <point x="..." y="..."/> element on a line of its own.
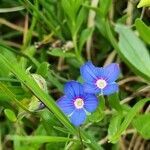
<point x="100" y="80"/>
<point x="76" y="103"/>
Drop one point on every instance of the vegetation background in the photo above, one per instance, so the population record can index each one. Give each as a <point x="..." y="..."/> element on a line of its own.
<point x="43" y="43"/>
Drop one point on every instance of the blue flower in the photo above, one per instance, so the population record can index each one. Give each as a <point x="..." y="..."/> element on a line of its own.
<point x="100" y="80"/>
<point x="76" y="103"/>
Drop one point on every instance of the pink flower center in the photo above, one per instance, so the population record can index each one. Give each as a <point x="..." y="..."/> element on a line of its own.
<point x="101" y="83"/>
<point x="79" y="103"/>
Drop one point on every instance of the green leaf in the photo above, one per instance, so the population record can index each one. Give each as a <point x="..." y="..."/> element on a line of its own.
<point x="142" y="124"/>
<point x="98" y="115"/>
<point x="143" y="3"/>
<point x="3" y="69"/>
<point x="104" y="7"/>
<point x="115" y="102"/>
<point x="12" y="97"/>
<point x="143" y="30"/>
<point x="80" y="19"/>
<point x="129" y="117"/>
<point x="114" y="125"/>
<point x="133" y="51"/>
<point x="86" y="33"/>
<point x="43" y="69"/>
<point x="60" y="53"/>
<point x="10" y="115"/>
<point x="40" y="139"/>
<point x="68" y="9"/>
<point x="101" y="25"/>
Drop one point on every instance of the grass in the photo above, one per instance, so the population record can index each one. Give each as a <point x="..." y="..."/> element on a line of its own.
<point x="52" y="39"/>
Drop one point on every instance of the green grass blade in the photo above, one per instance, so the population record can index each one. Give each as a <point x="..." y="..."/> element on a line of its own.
<point x="40" y="139"/>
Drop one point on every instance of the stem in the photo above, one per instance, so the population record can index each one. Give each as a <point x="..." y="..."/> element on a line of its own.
<point x="102" y="102"/>
<point x="91" y="23"/>
<point x="130" y="8"/>
<point x="78" y="55"/>
<point x="142" y="13"/>
<point x="28" y="33"/>
<point x="80" y="137"/>
<point x="13" y="9"/>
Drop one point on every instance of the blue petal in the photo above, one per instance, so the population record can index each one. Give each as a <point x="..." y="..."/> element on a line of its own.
<point x="90" y="102"/>
<point x="89" y="72"/>
<point x="73" y="89"/>
<point x="112" y="72"/>
<point x="66" y="105"/>
<point x="78" y="117"/>
<point x="89" y="88"/>
<point x="110" y="89"/>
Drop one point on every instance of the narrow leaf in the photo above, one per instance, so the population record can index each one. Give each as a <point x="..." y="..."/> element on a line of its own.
<point x="129" y="117"/>
<point x="115" y="102"/>
<point x="60" y="53"/>
<point x="143" y="3"/>
<point x="10" y="115"/>
<point x="40" y="139"/>
<point x="86" y="33"/>
<point x="143" y="30"/>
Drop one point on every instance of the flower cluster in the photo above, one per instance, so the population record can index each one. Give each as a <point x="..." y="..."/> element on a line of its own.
<point x="80" y="99"/>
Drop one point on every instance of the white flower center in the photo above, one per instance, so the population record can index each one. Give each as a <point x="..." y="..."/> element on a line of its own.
<point x="101" y="83"/>
<point x="79" y="103"/>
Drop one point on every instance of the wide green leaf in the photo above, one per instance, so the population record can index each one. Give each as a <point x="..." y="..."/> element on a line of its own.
<point x="133" y="51"/>
<point x="142" y="124"/>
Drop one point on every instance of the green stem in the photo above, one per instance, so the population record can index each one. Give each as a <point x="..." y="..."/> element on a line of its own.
<point x="102" y="102"/>
<point x="77" y="52"/>
<point x="8" y="80"/>
<point x="80" y="137"/>
<point x="30" y="31"/>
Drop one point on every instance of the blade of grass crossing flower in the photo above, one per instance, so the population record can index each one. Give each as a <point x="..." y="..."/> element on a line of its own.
<point x="45" y="98"/>
<point x="33" y="86"/>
